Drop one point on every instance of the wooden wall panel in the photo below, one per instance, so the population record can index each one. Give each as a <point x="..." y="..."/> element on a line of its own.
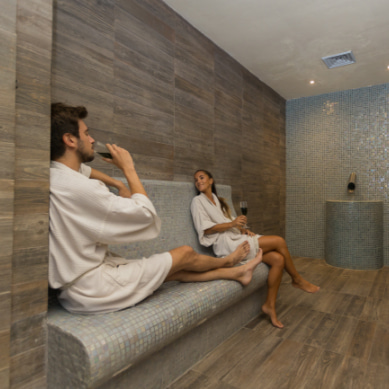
<point x="83" y="54"/>
<point x="228" y="124"/>
<point x="152" y="84"/>
<point x="7" y="180"/>
<point x="31" y="200"/>
<point x="179" y="102"/>
<point x="252" y="149"/>
<point x="4" y="357"/>
<point x="144" y="89"/>
<point x="159" y="9"/>
<point x="27" y="369"/>
<point x="194" y="102"/>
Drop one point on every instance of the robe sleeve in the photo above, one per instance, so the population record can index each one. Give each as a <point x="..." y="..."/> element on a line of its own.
<point x="85" y="170"/>
<point x="124" y="220"/>
<point x="104" y="217"/>
<point x="130" y="220"/>
<point x="202" y="222"/>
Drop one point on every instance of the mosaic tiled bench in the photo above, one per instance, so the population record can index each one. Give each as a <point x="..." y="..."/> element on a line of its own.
<point x="153" y="343"/>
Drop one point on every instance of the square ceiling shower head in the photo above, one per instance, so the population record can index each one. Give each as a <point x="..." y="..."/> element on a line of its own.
<point x="342" y="59"/>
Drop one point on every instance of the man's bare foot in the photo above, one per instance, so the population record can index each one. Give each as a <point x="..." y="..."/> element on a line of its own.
<point x="305" y="285"/>
<point x="238" y="255"/>
<point x="246" y="270"/>
<point x="271" y="312"/>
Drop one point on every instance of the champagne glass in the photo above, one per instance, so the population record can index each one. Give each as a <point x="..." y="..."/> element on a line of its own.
<point x="101" y="149"/>
<point x="243" y="208"/>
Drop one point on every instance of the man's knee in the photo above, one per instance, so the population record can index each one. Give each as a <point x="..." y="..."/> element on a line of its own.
<point x="183" y="255"/>
<point x="188" y="252"/>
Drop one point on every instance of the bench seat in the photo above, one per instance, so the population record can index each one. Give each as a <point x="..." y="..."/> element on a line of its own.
<point x="151" y="344"/>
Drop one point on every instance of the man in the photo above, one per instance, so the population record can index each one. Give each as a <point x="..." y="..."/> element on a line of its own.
<point x="85" y="217"/>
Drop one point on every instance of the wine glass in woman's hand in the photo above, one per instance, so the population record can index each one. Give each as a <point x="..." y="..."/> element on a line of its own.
<point x="243" y="208"/>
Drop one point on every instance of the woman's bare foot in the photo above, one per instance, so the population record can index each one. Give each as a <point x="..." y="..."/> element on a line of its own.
<point x="238" y="255"/>
<point x="305" y="285"/>
<point x="246" y="270"/>
<point x="271" y="312"/>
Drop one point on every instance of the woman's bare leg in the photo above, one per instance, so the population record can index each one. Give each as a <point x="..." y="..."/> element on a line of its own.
<point x="242" y="274"/>
<point x="185" y="258"/>
<point x="277" y="263"/>
<point x="276" y="243"/>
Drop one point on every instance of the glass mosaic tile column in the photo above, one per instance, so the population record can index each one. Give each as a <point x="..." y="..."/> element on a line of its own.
<point x="354" y="234"/>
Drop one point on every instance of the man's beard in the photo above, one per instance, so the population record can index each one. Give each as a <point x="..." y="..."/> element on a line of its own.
<point x="83" y="155"/>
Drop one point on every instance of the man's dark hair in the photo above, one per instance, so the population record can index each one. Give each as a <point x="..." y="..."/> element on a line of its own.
<point x="64" y="119"/>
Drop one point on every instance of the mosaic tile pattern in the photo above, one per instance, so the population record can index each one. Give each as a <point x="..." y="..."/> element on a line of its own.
<point x="329" y="137"/>
<point x="91" y="349"/>
<point x="177" y="227"/>
<point x="354" y="232"/>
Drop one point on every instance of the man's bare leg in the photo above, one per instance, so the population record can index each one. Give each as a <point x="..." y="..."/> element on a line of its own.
<point x="276" y="243"/>
<point x="242" y="274"/>
<point x="277" y="263"/>
<point x="185" y="258"/>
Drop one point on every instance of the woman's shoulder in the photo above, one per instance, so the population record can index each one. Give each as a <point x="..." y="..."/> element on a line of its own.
<point x="196" y="199"/>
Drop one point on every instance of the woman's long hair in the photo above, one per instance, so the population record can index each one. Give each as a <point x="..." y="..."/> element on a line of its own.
<point x="223" y="202"/>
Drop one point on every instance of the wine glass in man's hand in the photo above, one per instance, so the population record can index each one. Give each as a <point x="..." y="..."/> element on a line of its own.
<point x="101" y="149"/>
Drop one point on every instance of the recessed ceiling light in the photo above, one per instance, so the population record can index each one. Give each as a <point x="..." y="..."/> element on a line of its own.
<point x="312" y="82"/>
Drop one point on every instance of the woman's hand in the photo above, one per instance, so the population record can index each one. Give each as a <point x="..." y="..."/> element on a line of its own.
<point x="239" y="221"/>
<point x="245" y="231"/>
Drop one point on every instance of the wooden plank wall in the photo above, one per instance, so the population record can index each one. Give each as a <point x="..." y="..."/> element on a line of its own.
<point x="32" y="145"/>
<point x="7" y="179"/>
<point x="26" y="36"/>
<point x="155" y="85"/>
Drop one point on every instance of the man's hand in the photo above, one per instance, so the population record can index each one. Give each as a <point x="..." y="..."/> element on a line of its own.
<point x="121" y="158"/>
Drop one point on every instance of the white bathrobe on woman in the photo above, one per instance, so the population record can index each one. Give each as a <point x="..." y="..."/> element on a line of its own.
<point x="205" y="215"/>
<point x="85" y="217"/>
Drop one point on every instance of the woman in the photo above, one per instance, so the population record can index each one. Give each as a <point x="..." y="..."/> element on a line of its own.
<point x="216" y="227"/>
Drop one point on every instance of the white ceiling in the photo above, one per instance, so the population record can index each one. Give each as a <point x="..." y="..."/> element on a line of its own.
<point x="282" y="41"/>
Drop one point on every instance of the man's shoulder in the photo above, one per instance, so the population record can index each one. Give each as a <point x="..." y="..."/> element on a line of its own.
<point x="73" y="181"/>
<point x="59" y="173"/>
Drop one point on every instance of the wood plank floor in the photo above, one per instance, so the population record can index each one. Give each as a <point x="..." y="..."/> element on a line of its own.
<point x="336" y="338"/>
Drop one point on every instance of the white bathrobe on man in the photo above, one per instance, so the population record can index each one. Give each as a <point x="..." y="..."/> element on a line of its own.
<point x="84" y="218"/>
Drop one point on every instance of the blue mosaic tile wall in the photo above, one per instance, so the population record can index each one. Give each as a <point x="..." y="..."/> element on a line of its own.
<point x="354" y="233"/>
<point x="327" y="138"/>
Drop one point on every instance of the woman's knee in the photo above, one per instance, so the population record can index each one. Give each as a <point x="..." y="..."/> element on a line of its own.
<point x="280" y="242"/>
<point x="272" y="242"/>
<point x="274" y="258"/>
